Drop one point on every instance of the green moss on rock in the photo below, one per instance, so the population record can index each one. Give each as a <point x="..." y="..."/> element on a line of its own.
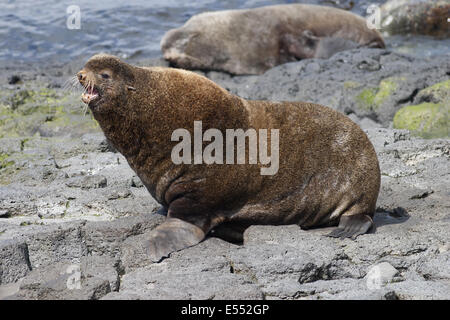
<point x="387" y="87"/>
<point x="351" y="85"/>
<point x="366" y="99"/>
<point x="42" y="111"/>
<point x="427" y="120"/>
<point x="4" y="161"/>
<point x="373" y="98"/>
<point x="439" y="92"/>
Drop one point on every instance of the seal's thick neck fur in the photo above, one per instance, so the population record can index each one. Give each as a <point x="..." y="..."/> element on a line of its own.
<point x="139" y="121"/>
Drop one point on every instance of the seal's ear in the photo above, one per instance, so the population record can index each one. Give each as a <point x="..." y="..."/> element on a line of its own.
<point x="130" y="88"/>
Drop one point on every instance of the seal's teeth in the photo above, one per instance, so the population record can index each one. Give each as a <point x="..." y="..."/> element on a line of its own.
<point x="88" y="96"/>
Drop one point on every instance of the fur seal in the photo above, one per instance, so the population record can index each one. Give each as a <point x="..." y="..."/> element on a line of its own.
<point x="251" y="41"/>
<point x="328" y="170"/>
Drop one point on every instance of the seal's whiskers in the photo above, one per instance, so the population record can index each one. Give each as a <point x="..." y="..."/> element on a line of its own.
<point x="72" y="84"/>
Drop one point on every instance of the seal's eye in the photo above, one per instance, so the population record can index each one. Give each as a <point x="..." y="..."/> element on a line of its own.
<point x="105" y="76"/>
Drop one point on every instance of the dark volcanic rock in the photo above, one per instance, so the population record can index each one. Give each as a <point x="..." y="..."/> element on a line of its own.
<point x="14" y="261"/>
<point x="371" y="83"/>
<point x="91" y="279"/>
<point x="60" y="220"/>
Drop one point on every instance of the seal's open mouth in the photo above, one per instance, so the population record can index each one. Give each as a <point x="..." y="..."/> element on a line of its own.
<point x="91" y="95"/>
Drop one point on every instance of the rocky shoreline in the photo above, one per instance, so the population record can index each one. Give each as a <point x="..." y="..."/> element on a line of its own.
<point x="71" y="206"/>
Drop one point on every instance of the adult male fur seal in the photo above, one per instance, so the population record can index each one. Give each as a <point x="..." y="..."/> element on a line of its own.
<point x="250" y="41"/>
<point x="328" y="170"/>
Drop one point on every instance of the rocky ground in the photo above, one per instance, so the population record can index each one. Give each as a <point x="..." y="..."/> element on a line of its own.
<point x="73" y="214"/>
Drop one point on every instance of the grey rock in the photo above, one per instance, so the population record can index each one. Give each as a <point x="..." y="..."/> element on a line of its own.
<point x="343" y="289"/>
<point x="210" y="255"/>
<point x="121" y="296"/>
<point x="119" y="194"/>
<point x="136" y="182"/>
<point x="106" y="237"/>
<point x="88" y="182"/>
<point x="367" y="123"/>
<point x="56" y="243"/>
<point x="422" y="290"/>
<point x="289" y="251"/>
<point x="47" y="226"/>
<point x="145" y="284"/>
<point x="204" y="271"/>
<point x="64" y="280"/>
<point x="102" y="267"/>
<point x="99" y="141"/>
<point x="133" y="252"/>
<point x="9" y="289"/>
<point x="14" y="260"/>
<point x="386" y="81"/>
<point x="10" y="145"/>
<point x="380" y="274"/>
<point x="4" y="214"/>
<point x="435" y="268"/>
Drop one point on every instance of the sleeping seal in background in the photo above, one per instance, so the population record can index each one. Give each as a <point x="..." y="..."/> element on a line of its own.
<point x="327" y="171"/>
<point x="251" y="41"/>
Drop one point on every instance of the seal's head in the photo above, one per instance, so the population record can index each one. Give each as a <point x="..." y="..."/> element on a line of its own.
<point x="107" y="81"/>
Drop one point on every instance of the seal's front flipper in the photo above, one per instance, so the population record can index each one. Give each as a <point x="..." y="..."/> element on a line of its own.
<point x="298" y="46"/>
<point x="173" y="235"/>
<point x="328" y="46"/>
<point x="352" y="226"/>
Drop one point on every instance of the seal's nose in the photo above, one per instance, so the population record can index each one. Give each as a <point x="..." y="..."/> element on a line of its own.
<point x="81" y="76"/>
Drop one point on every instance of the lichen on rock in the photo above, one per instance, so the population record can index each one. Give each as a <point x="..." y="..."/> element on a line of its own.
<point x="427" y="120"/>
<point x="430" y="117"/>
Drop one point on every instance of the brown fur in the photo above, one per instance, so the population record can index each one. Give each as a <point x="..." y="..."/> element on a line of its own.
<point x="251" y="41"/>
<point x="328" y="167"/>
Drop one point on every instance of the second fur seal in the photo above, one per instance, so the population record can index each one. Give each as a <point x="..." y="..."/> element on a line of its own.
<point x="328" y="171"/>
<point x="251" y="41"/>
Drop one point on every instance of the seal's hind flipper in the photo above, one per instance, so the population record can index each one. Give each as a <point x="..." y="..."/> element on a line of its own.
<point x="171" y="236"/>
<point x="352" y="226"/>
